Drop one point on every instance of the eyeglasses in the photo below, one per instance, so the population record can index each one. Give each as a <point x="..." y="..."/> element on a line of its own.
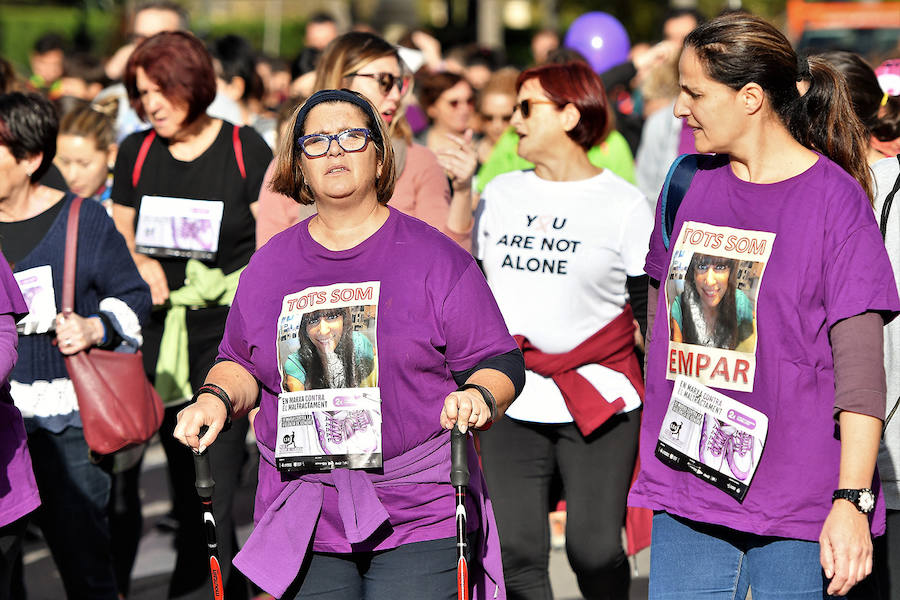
<point x="525" y="106"/>
<point x="470" y="101"/>
<point x="492" y="118"/>
<point x="387" y="81"/>
<point x="350" y="140"/>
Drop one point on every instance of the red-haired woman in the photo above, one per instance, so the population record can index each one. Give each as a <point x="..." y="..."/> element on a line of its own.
<point x="562" y="247"/>
<point x="184" y="196"/>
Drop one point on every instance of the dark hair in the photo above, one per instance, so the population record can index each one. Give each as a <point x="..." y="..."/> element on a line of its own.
<point x="430" y="86"/>
<point x="179" y="64"/>
<point x="727" y="332"/>
<point x="287" y="177"/>
<point x="575" y="83"/>
<point x="86" y="66"/>
<point x="28" y="127"/>
<point x="166" y="5"/>
<point x="238" y="59"/>
<point x="739" y="48"/>
<point x="322" y="17"/>
<point x="865" y="92"/>
<point x="676" y="13"/>
<point x="306" y="61"/>
<point x="356" y="368"/>
<point x="9" y="80"/>
<point x="48" y="43"/>
<point x="564" y="55"/>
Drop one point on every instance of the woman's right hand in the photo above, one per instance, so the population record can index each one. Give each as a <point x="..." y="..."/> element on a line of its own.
<point x="207" y="411"/>
<point x="152" y="272"/>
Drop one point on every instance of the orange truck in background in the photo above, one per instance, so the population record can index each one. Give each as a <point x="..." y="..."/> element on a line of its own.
<point x="869" y="28"/>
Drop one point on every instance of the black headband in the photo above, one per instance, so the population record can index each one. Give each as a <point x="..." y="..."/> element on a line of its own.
<point x="337" y="96"/>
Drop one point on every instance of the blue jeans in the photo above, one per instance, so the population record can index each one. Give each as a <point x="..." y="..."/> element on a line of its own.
<point x="72" y="516"/>
<point x="695" y="561"/>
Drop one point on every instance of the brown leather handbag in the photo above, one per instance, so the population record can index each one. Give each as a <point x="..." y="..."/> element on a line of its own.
<point x="118" y="405"/>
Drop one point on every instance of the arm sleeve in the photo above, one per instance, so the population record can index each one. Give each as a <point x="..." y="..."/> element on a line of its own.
<point x="637" y="297"/>
<point x="472" y="324"/>
<point x="859" y="383"/>
<point x="857" y="272"/>
<point x="9" y="341"/>
<point x="511" y="364"/>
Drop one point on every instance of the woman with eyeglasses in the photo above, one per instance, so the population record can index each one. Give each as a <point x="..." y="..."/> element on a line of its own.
<point x="365" y="63"/>
<point x="562" y="248"/>
<point x="412" y="306"/>
<point x="184" y="197"/>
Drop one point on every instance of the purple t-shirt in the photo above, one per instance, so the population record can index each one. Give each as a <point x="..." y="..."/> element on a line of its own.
<point x="435" y="314"/>
<point x="18" y="490"/>
<point x="821" y="260"/>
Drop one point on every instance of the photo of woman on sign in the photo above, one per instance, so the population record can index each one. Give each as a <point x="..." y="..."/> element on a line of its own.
<point x="331" y="355"/>
<point x="712" y="311"/>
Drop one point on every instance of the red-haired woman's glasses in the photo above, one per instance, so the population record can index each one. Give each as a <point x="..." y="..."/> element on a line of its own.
<point x="525" y="106"/>
<point x="350" y="140"/>
<point x="387" y="81"/>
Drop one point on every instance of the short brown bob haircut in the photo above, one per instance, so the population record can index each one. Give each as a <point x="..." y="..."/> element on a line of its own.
<point x="288" y="179"/>
<point x="180" y="65"/>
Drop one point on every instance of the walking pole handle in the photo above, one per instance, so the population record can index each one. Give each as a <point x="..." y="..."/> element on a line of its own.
<point x="204" y="481"/>
<point x="459" y="462"/>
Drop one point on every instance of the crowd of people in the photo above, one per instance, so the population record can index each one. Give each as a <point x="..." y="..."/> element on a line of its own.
<point x="341" y="257"/>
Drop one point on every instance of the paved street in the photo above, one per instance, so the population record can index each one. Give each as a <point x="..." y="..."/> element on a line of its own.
<point x="156" y="557"/>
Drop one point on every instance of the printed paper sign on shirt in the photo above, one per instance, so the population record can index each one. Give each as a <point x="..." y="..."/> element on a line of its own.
<point x="179" y="227"/>
<point x="36" y="285"/>
<point x="329" y="411"/>
<point x="711" y="291"/>
<point x="716" y="438"/>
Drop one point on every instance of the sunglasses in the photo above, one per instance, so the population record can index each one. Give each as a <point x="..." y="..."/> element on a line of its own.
<point x="492" y="118"/>
<point x="387" y="81"/>
<point x="470" y="101"/>
<point x="350" y="140"/>
<point x="525" y="106"/>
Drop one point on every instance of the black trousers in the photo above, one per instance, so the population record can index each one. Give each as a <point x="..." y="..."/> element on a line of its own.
<point x="10" y="554"/>
<point x="190" y="579"/>
<point x="520" y="460"/>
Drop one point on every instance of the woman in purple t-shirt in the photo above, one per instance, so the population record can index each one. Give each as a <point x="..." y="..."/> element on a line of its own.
<point x="354" y="472"/>
<point x="759" y="459"/>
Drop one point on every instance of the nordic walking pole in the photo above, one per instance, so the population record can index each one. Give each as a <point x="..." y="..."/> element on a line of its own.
<point x="205" y="486"/>
<point x="459" y="478"/>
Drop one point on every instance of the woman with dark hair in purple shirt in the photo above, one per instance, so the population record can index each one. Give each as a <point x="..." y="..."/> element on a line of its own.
<point x="767" y="481"/>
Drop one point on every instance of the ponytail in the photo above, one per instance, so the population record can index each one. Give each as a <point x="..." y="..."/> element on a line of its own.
<point x="823" y="119"/>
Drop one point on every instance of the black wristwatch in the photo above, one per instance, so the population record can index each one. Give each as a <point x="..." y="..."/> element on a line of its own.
<point x="863" y="500"/>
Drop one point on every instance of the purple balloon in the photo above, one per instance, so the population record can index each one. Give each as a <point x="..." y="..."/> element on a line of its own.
<point x="601" y="38"/>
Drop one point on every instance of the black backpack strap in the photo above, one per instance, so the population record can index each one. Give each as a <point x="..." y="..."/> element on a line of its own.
<point x="886" y="207"/>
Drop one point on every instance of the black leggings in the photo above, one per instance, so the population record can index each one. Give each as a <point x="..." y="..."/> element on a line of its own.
<point x="520" y="460"/>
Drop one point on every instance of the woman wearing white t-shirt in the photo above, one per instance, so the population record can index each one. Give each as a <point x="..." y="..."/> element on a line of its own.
<point x="562" y="247"/>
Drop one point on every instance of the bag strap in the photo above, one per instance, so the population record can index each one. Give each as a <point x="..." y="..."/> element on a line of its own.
<point x="886" y="207"/>
<point x="141" y="157"/>
<point x="68" y="290"/>
<point x="148" y="140"/>
<point x="238" y="150"/>
<point x="678" y="180"/>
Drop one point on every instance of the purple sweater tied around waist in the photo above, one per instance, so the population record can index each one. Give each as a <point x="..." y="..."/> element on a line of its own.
<point x="278" y="545"/>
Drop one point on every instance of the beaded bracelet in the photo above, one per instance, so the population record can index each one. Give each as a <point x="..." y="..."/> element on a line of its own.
<point x="485" y="394"/>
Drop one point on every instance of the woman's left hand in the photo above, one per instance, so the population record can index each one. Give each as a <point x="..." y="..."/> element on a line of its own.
<point x="75" y="333"/>
<point x="845" y="547"/>
<point x="467" y="408"/>
<point x="459" y="161"/>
